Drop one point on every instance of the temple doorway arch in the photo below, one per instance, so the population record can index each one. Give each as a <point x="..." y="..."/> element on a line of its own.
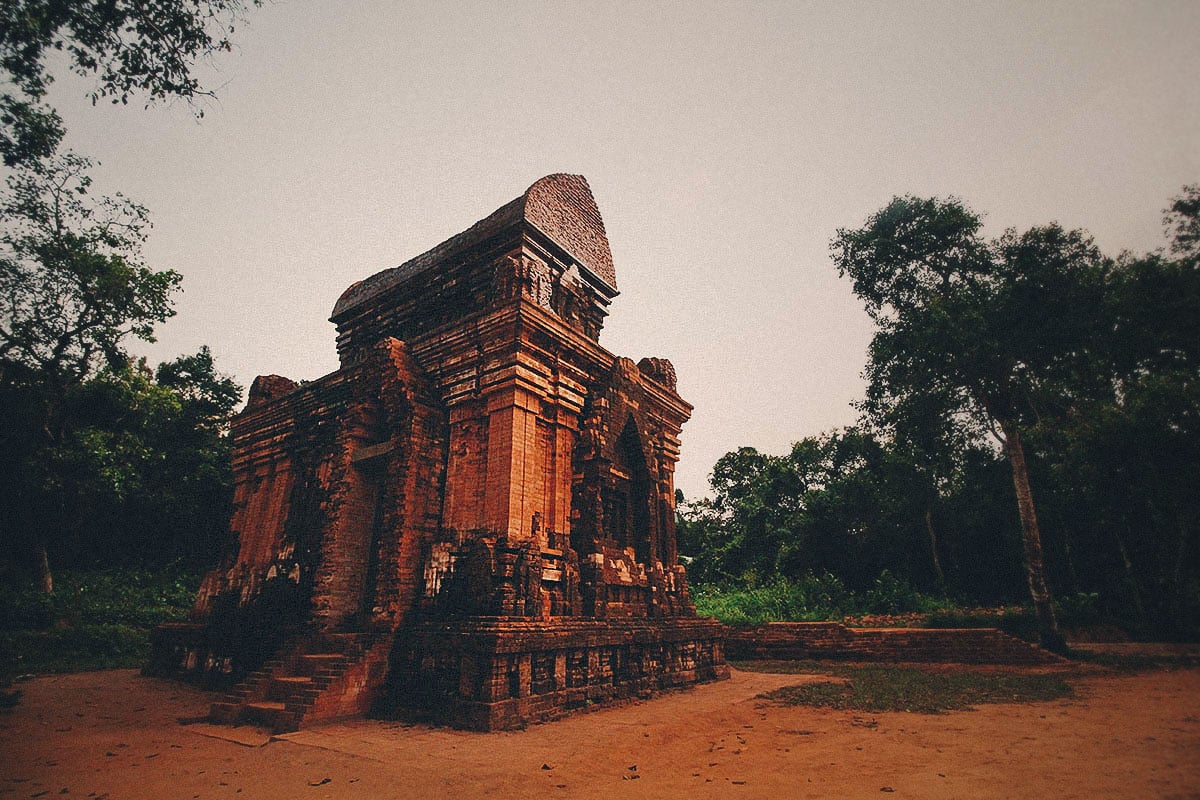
<point x="627" y="512"/>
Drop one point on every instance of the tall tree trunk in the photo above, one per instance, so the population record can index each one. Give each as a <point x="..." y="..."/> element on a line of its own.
<point x="1031" y="535"/>
<point x="933" y="549"/>
<point x="45" y="579"/>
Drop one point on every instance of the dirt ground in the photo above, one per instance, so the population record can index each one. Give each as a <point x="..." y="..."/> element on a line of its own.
<point x="115" y="735"/>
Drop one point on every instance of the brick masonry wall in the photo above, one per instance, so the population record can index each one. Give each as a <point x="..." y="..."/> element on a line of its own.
<point x="459" y="463"/>
<point x="504" y="674"/>
<point x="831" y="640"/>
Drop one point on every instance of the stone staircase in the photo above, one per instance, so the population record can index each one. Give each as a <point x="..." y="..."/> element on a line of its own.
<point x="315" y="677"/>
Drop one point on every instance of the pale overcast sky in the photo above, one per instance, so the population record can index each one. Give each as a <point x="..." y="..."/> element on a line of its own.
<point x="724" y="141"/>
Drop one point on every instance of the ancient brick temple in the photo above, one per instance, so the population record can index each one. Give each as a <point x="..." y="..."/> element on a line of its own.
<point x="473" y="517"/>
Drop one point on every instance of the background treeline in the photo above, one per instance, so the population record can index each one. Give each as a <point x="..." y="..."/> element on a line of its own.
<point x="116" y="477"/>
<point x="135" y="472"/>
<point x="105" y="461"/>
<point x="1098" y="365"/>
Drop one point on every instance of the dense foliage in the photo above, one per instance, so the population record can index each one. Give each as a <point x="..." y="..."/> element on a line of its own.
<point x="130" y="47"/>
<point x="105" y="461"/>
<point x="814" y="598"/>
<point x="94" y="620"/>
<point x="137" y="473"/>
<point x="847" y="504"/>
<point x="1091" y="361"/>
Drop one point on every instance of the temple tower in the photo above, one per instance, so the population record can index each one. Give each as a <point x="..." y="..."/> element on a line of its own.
<point x="480" y="497"/>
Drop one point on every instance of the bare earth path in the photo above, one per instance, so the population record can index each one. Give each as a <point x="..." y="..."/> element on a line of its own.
<point x="113" y="735"/>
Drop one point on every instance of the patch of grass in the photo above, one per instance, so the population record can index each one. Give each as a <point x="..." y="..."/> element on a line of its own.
<point x="889" y="688"/>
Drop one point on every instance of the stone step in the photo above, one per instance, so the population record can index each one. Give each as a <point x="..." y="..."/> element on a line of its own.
<point x="224" y="713"/>
<point x="312" y="664"/>
<point x="287" y="687"/>
<point x="292" y="680"/>
<point x="280" y="694"/>
<point x="264" y="706"/>
<point x="249" y="688"/>
<point x="266" y="713"/>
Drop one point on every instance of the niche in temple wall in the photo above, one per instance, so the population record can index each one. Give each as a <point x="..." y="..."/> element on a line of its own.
<point x="627" y="517"/>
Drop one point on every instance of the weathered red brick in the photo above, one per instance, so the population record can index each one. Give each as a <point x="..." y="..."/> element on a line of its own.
<point x="477" y="456"/>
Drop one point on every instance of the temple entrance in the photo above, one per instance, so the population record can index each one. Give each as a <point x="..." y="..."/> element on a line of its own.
<point x="373" y="472"/>
<point x="354" y="570"/>
<point x="627" y="520"/>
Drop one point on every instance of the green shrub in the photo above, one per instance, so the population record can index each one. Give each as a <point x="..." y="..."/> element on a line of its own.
<point x="892" y="595"/>
<point x="24" y="608"/>
<point x="811" y="598"/>
<point x="129" y="597"/>
<point x="77" y="649"/>
<point x="1072" y="611"/>
<point x="94" y="620"/>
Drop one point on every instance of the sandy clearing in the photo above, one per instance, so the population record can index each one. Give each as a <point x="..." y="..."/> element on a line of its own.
<point x="115" y="734"/>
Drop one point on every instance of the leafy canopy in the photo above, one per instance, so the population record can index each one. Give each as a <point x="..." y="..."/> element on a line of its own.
<point x="1002" y="329"/>
<point x="72" y="282"/>
<point x="131" y="47"/>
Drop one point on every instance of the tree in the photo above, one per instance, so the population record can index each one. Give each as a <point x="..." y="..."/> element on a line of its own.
<point x="1138" y="441"/>
<point x="72" y="285"/>
<point x="1001" y="330"/>
<point x="73" y="289"/>
<point x="145" y="467"/>
<point x="1102" y="388"/>
<point x="208" y="397"/>
<point x="131" y="47"/>
<point x="842" y="503"/>
<point x="927" y="435"/>
<point x="752" y="516"/>
<point x="1182" y="221"/>
<point x="140" y="473"/>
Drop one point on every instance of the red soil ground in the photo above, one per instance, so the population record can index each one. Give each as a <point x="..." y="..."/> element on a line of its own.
<point x="114" y="735"/>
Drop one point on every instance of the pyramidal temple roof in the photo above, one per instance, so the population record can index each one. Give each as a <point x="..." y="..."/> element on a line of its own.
<point x="560" y="206"/>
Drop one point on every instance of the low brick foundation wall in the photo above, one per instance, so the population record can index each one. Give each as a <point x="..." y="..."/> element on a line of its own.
<point x="212" y="658"/>
<point x="182" y="650"/>
<point x="497" y="674"/>
<point x="832" y="640"/>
